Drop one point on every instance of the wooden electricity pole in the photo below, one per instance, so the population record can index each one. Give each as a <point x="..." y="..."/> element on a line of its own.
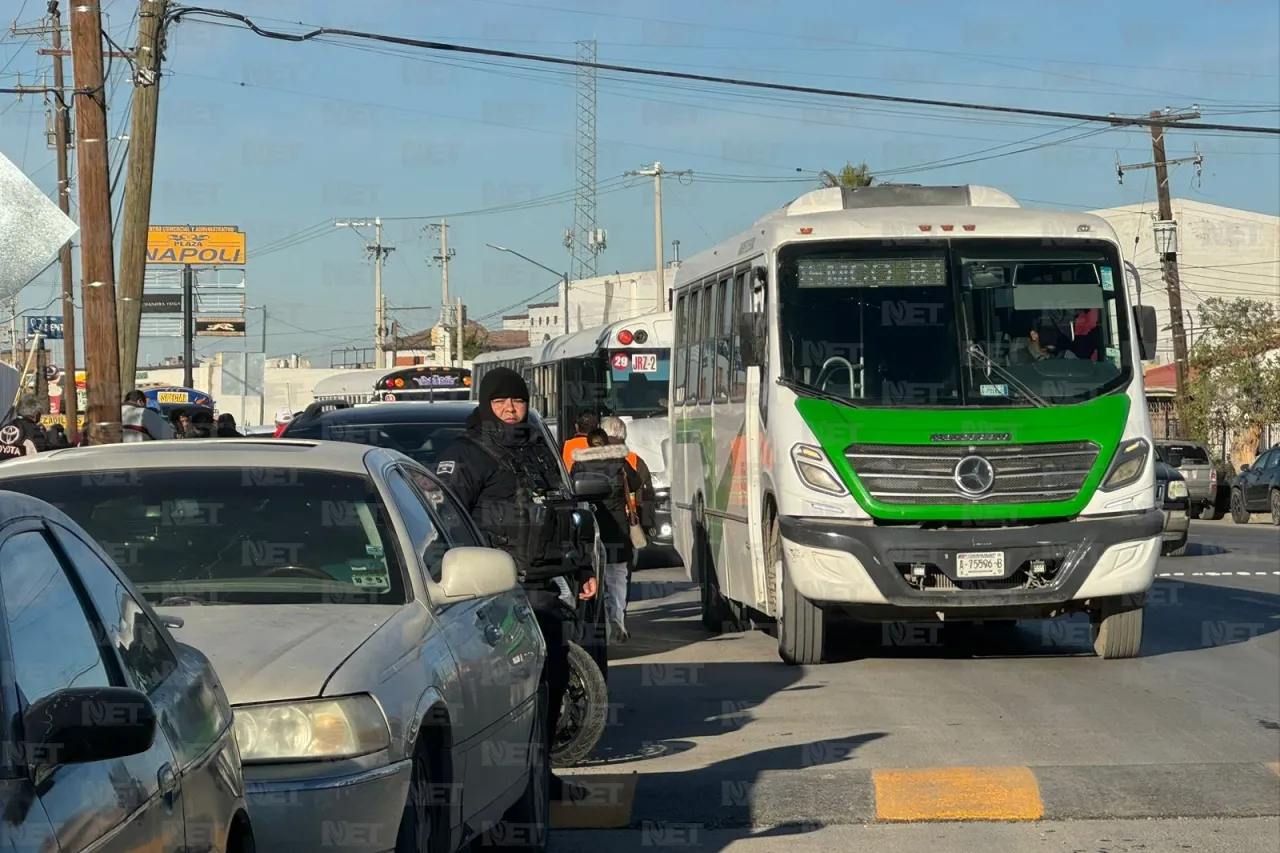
<point x="98" y="291"/>
<point x="70" y="394"/>
<point x="1169" y="254"/>
<point x="136" y="214"/>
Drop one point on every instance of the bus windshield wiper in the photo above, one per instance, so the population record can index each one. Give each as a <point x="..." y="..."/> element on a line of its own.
<point x="809" y="391"/>
<point x="1008" y="376"/>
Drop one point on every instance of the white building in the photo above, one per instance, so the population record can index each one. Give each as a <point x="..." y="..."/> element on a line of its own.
<point x="1222" y="252"/>
<point x="593" y="302"/>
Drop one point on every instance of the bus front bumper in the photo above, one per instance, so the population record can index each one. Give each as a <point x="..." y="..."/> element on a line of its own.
<point x="891" y="573"/>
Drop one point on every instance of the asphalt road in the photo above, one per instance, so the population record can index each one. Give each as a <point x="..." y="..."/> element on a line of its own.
<point x="1007" y="740"/>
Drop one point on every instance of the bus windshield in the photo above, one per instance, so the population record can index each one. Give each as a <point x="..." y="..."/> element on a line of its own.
<point x="637" y="382"/>
<point x="963" y="323"/>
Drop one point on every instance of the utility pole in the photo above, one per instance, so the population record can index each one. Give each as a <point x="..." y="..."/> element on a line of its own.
<point x="102" y="354"/>
<point x="62" y="129"/>
<point x="1167" y="241"/>
<point x="188" y="325"/>
<point x="379" y="253"/>
<point x="136" y="215"/>
<point x="461" y="330"/>
<point x="656" y="172"/>
<point x="443" y="257"/>
<point x="395" y="342"/>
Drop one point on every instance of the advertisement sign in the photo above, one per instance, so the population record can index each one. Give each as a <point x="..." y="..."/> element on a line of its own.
<point x="161" y="303"/>
<point x="220" y="327"/>
<point x="206" y="245"/>
<point x="49" y="328"/>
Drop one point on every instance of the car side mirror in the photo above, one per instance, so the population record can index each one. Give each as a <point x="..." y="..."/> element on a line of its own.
<point x="80" y="725"/>
<point x="1144" y="318"/>
<point x="1244" y="466"/>
<point x="591" y="486"/>
<point x="467" y="574"/>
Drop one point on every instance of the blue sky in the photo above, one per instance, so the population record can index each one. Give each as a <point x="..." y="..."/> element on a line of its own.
<point x="277" y="137"/>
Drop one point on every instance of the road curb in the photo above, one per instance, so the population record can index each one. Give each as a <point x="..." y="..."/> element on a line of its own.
<point x="668" y="807"/>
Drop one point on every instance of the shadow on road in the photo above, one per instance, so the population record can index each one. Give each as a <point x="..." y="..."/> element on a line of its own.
<point x="1181" y="616"/>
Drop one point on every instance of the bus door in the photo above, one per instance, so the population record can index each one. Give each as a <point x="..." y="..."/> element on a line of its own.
<point x="754" y="302"/>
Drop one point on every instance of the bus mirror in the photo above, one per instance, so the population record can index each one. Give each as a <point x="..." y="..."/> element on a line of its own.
<point x="1144" y="318"/>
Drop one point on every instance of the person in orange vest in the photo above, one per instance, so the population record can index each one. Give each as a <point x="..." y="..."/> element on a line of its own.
<point x="587" y="421"/>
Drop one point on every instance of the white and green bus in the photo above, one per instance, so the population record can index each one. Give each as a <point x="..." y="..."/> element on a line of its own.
<point x="913" y="403"/>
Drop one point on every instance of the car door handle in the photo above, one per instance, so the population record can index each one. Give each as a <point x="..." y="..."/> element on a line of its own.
<point x="168" y="781"/>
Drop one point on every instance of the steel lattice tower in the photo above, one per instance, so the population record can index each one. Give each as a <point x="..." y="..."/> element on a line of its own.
<point x="585" y="242"/>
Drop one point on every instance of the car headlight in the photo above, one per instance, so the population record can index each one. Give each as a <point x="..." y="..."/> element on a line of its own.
<point x="814" y="470"/>
<point x="660" y="482"/>
<point x="312" y="729"/>
<point x="1177" y="489"/>
<point x="1130" y="462"/>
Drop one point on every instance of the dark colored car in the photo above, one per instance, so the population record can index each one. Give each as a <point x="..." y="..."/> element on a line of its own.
<point x="1195" y="463"/>
<point x="1257" y="488"/>
<point x="1172" y="497"/>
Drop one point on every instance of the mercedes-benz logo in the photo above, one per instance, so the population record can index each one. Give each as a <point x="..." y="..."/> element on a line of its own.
<point x="974" y="475"/>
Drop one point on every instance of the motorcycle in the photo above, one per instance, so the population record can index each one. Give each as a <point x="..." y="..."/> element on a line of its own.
<point x="585" y="711"/>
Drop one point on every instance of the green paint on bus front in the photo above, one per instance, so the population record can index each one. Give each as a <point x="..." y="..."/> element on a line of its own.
<point x="1101" y="421"/>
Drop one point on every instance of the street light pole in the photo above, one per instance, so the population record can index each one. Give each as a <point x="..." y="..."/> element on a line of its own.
<point x="564" y="277"/>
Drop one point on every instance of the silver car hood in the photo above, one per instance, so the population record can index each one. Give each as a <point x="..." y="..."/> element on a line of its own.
<point x="265" y="653"/>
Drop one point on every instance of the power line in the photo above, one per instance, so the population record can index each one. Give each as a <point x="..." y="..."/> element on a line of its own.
<point x="180" y="12"/>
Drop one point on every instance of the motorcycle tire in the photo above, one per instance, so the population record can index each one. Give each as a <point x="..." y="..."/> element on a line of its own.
<point x="585" y="711"/>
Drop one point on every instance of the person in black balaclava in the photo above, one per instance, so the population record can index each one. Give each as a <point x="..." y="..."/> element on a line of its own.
<point x="492" y="469"/>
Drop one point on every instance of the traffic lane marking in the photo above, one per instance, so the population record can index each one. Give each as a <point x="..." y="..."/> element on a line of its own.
<point x="608" y="805"/>
<point x="958" y="793"/>
<point x="1104" y="792"/>
<point x="666" y="804"/>
<point x="1216" y="574"/>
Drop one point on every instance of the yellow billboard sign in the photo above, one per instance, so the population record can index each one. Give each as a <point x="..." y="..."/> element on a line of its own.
<point x="206" y="245"/>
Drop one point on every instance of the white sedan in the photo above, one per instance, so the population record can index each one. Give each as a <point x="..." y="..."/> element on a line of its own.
<point x="385" y="670"/>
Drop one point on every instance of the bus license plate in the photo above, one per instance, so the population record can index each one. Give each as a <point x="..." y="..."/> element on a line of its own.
<point x="644" y="362"/>
<point x="986" y="564"/>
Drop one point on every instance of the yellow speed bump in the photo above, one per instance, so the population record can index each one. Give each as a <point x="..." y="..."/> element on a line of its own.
<point x="607" y="806"/>
<point x="958" y="793"/>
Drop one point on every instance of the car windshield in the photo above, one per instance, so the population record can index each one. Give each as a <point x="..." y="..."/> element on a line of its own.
<point x="421" y="442"/>
<point x="955" y="323"/>
<point x="235" y="535"/>
<point x="637" y="383"/>
<point x="1178" y="454"/>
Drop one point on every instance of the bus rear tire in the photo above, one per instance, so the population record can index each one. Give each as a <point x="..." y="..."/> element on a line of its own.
<point x="718" y="613"/>
<point x="802" y="628"/>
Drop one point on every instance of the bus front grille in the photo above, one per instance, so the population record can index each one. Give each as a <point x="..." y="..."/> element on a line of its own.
<point x="925" y="475"/>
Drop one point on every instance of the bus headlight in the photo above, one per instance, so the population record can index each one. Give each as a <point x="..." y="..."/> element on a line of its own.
<point x="1177" y="489"/>
<point x="1130" y="462"/>
<point x="815" y="472"/>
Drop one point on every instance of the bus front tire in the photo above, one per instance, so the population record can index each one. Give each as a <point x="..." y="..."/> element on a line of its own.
<point x="802" y="628"/>
<point x="1116" y="630"/>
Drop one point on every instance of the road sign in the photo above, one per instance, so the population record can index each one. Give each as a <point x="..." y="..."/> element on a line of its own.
<point x="50" y="328"/>
<point x="51" y="372"/>
<point x="206" y="245"/>
<point x="220" y="327"/>
<point x="161" y="303"/>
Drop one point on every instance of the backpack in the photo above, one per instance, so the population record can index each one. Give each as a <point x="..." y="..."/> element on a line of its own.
<point x="542" y="537"/>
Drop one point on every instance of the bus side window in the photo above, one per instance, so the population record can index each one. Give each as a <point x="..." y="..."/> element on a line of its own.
<point x="739" y="300"/>
<point x="706" y="376"/>
<point x="724" y="305"/>
<point x="695" y="344"/>
<point x="682" y="349"/>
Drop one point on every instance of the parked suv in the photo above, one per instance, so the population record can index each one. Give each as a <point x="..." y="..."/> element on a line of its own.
<point x="1257" y="488"/>
<point x="1195" y="464"/>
